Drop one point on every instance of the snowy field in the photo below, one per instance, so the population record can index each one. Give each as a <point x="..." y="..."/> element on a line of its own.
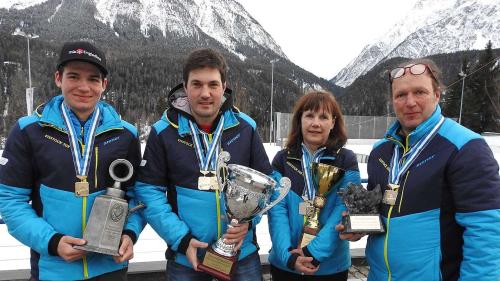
<point x="151" y="248"/>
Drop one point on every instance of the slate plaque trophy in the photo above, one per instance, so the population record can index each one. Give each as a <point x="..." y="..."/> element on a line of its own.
<point x="324" y="177"/>
<point x="109" y="212"/>
<point x="247" y="194"/>
<point x="363" y="207"/>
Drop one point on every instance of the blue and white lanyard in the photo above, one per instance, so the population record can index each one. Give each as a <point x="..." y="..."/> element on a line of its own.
<point x="399" y="165"/>
<point x="207" y="161"/>
<point x="81" y="161"/>
<point x="307" y="159"/>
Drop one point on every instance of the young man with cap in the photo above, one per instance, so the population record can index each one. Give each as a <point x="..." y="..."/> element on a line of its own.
<point x="180" y="158"/>
<point x="58" y="158"/>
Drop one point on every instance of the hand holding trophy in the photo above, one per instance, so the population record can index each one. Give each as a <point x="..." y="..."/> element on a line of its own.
<point x="247" y="194"/>
<point x="363" y="208"/>
<point x="109" y="212"/>
<point x="324" y="178"/>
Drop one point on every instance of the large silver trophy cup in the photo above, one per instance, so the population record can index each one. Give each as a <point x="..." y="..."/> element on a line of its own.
<point x="247" y="194"/>
<point x="109" y="212"/>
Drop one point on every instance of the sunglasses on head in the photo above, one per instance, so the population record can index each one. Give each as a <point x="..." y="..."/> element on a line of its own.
<point x="415" y="69"/>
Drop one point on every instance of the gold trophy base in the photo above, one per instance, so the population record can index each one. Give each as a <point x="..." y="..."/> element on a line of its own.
<point x="308" y="234"/>
<point x="219" y="266"/>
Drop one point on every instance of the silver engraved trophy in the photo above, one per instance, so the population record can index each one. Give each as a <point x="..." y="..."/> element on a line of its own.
<point x="247" y="194"/>
<point x="109" y="212"/>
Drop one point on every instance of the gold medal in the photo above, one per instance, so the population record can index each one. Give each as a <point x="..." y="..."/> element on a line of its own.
<point x="82" y="187"/>
<point x="208" y="181"/>
<point x="390" y="194"/>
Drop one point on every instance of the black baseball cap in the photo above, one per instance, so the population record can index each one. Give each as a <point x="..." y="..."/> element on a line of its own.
<point x="83" y="51"/>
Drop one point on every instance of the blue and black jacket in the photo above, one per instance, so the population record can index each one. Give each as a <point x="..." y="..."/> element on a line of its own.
<point x="445" y="224"/>
<point x="285" y="222"/>
<point x="38" y="167"/>
<point x="171" y="166"/>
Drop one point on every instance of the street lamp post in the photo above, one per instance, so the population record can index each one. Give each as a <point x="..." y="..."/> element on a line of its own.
<point x="272" y="91"/>
<point x="29" y="91"/>
<point x="463" y="75"/>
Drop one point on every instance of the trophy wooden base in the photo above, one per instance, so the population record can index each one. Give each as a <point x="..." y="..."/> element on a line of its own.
<point x="219" y="266"/>
<point x="363" y="223"/>
<point x="308" y="234"/>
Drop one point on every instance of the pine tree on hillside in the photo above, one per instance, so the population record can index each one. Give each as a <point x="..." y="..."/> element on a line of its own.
<point x="482" y="112"/>
<point x="451" y="98"/>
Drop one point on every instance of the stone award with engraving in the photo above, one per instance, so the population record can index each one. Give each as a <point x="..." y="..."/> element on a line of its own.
<point x="324" y="177"/>
<point x="363" y="207"/>
<point x="109" y="212"/>
<point x="247" y="194"/>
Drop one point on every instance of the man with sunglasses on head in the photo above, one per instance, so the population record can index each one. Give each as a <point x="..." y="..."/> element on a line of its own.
<point x="441" y="203"/>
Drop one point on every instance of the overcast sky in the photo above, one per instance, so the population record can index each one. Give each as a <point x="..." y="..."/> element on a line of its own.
<point x="323" y="36"/>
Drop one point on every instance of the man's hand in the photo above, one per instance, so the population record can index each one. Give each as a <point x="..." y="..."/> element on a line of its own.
<point x="236" y="234"/>
<point x="66" y="251"/>
<point x="126" y="250"/>
<point x="353" y="237"/>
<point x="191" y="252"/>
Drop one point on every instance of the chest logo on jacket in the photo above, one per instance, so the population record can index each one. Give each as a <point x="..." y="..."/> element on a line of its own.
<point x="111" y="140"/>
<point x="383" y="164"/>
<point x="57" y="141"/>
<point x="294" y="168"/>
<point x="233" y="139"/>
<point x="185" y="142"/>
<point x="425" y="160"/>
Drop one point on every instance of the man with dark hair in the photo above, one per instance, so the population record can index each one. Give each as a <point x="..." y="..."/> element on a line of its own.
<point x="58" y="158"/>
<point x="180" y="158"/>
<point x="441" y="203"/>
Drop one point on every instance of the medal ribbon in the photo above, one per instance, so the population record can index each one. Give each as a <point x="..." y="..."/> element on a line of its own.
<point x="399" y="165"/>
<point x="208" y="160"/>
<point x="307" y="159"/>
<point x="81" y="161"/>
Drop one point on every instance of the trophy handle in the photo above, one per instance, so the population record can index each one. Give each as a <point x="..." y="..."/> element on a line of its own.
<point x="285" y="184"/>
<point x="223" y="158"/>
<point x="120" y="178"/>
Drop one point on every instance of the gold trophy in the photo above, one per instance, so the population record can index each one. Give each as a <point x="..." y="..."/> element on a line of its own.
<point x="324" y="178"/>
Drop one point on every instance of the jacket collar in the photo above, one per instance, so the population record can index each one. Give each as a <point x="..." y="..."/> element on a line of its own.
<point x="50" y="113"/>
<point x="178" y="113"/>
<point x="419" y="132"/>
<point x="296" y="154"/>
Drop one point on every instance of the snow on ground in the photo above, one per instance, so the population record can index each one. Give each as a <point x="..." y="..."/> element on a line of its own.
<point x="150" y="247"/>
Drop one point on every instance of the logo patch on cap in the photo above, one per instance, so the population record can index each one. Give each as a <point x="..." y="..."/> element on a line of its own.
<point x="84" y="52"/>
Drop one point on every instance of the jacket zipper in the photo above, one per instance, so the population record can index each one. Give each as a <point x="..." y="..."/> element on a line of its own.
<point x="84" y="224"/>
<point x="386" y="258"/>
<point x="84" y="201"/>
<point x="95" y="171"/>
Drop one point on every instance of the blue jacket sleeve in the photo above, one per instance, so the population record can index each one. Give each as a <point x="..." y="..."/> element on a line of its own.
<point x="475" y="184"/>
<point x="135" y="221"/>
<point x="151" y="189"/>
<point x="279" y="225"/>
<point x="16" y="183"/>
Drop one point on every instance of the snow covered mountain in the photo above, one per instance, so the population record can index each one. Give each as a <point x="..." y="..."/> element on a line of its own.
<point x="225" y="21"/>
<point x="431" y="27"/>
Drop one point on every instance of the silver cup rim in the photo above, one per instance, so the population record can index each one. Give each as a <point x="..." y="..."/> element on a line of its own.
<point x="255" y="176"/>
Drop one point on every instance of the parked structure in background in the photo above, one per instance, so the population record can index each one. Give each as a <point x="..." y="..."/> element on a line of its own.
<point x="358" y="127"/>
